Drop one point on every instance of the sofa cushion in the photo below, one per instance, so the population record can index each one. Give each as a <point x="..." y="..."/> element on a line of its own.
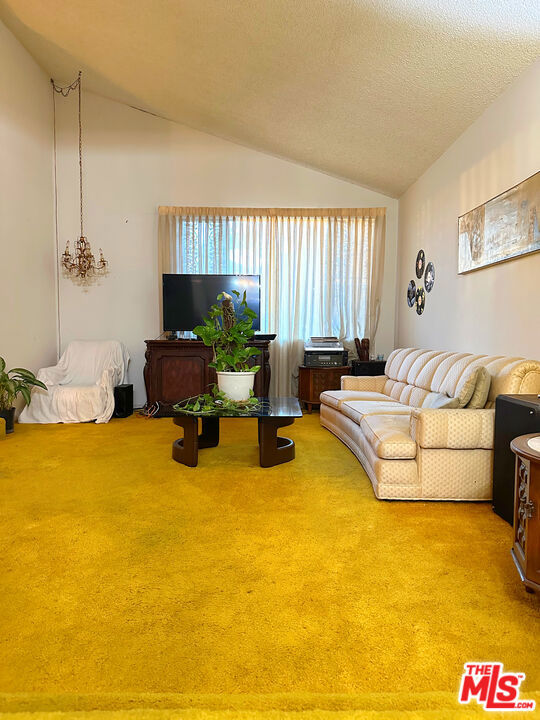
<point x="357" y="409"/>
<point x="388" y="436"/>
<point x="453" y="374"/>
<point x="481" y="389"/>
<point x="334" y="398"/>
<point x="417" y="397"/>
<point x="400" y="362"/>
<point x="461" y="380"/>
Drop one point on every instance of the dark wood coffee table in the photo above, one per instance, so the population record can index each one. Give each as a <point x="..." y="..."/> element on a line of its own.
<point x="273" y="450"/>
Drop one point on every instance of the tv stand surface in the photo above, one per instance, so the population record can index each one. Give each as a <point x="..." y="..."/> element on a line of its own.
<point x="178" y="369"/>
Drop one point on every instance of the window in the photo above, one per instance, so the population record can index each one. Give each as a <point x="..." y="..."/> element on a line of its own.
<point x="321" y="270"/>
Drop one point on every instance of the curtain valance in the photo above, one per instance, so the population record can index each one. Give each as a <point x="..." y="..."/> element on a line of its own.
<point x="180" y="211"/>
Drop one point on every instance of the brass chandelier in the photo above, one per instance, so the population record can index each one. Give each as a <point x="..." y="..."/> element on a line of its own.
<point x="81" y="264"/>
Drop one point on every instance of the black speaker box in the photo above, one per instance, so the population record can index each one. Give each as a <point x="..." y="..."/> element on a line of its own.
<point x="123" y="401"/>
<point x="515" y="415"/>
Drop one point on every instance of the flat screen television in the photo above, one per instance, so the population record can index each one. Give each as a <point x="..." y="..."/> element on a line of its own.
<point x="187" y="298"/>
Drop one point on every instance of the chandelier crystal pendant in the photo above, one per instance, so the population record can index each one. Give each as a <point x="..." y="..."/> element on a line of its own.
<point x="81" y="264"/>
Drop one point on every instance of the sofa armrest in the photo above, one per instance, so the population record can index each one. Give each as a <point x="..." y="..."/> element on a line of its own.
<point x="369" y="383"/>
<point x="453" y="429"/>
<point x="52" y="375"/>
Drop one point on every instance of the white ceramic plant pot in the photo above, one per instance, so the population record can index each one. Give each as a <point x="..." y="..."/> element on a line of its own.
<point x="236" y="385"/>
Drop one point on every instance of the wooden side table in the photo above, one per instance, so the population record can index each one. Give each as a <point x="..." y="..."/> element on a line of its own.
<point x="312" y="381"/>
<point x="526" y="548"/>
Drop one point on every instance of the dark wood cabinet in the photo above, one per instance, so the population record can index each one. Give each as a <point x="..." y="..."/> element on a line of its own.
<point x="312" y="381"/>
<point x="526" y="548"/>
<point x="178" y="369"/>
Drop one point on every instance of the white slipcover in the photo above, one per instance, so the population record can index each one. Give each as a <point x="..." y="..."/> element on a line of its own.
<point x="81" y="385"/>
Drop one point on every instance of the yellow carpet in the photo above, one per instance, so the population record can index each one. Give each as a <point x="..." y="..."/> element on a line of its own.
<point x="140" y="588"/>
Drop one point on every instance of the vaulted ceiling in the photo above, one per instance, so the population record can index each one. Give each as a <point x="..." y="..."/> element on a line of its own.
<point x="368" y="90"/>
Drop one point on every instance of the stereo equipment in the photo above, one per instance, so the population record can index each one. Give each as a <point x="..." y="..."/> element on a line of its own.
<point x="328" y="358"/>
<point x="325" y="352"/>
<point x="123" y="401"/>
<point x="515" y="415"/>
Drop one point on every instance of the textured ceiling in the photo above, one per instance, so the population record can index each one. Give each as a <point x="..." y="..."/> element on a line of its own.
<point x="368" y="90"/>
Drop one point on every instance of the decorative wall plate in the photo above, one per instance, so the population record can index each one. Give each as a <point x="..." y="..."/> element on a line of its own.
<point x="429" y="277"/>
<point x="420" y="300"/>
<point x="420" y="263"/>
<point x="411" y="294"/>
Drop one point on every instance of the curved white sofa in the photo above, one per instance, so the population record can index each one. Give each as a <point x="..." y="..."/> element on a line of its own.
<point x="424" y="429"/>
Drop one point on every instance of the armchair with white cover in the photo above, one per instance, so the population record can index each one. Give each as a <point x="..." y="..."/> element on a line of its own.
<point x="81" y="386"/>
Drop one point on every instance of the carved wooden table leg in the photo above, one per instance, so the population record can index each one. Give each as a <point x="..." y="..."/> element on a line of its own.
<point x="186" y="449"/>
<point x="274" y="450"/>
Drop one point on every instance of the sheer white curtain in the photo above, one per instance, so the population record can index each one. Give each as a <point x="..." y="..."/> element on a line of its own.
<point x="321" y="270"/>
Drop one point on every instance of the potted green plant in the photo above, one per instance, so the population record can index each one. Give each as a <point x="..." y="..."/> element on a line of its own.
<point x="13" y="382"/>
<point x="228" y="333"/>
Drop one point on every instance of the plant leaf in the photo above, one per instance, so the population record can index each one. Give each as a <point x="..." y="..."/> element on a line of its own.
<point x="38" y="383"/>
<point x="22" y="371"/>
<point x="25" y="392"/>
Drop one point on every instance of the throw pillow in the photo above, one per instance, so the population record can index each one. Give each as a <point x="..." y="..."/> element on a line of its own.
<point x="481" y="390"/>
<point x="443" y="402"/>
<point x="467" y="384"/>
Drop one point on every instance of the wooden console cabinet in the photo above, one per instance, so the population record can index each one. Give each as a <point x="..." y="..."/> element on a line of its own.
<point x="312" y="381"/>
<point x="526" y="549"/>
<point x="178" y="369"/>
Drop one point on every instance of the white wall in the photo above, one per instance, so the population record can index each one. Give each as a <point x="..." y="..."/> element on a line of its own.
<point x="27" y="264"/>
<point x="495" y="309"/>
<point x="135" y="162"/>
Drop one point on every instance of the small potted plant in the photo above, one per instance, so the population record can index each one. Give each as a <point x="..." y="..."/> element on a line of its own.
<point x="13" y="382"/>
<point x="228" y="333"/>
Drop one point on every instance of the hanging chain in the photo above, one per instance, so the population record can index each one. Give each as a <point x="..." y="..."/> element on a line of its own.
<point x="80" y="156"/>
<point x="64" y="91"/>
<point x="81" y="264"/>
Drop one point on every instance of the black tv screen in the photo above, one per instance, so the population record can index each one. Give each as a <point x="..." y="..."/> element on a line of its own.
<point x="187" y="298"/>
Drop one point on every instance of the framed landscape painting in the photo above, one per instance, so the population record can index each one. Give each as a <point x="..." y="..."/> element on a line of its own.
<point x="503" y="228"/>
